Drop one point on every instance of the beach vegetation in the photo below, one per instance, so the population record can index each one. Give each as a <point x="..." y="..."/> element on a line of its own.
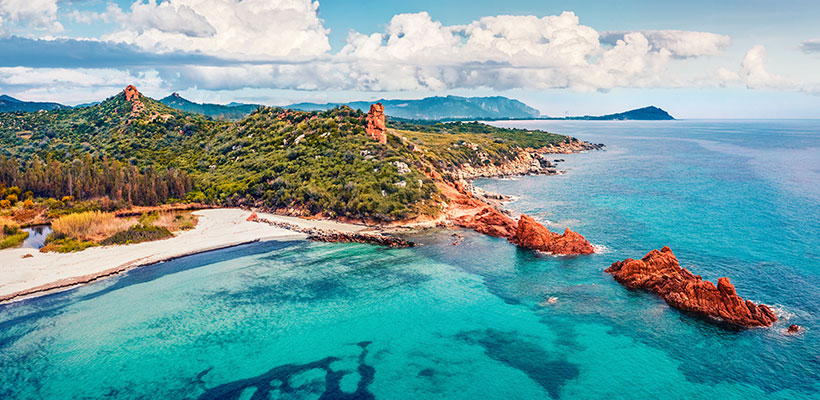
<point x="10" y="233"/>
<point x="88" y="226"/>
<point x="61" y="244"/>
<point x="137" y="234"/>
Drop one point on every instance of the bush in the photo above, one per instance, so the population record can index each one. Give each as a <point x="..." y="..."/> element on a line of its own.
<point x="62" y="244"/>
<point x="137" y="234"/>
<point x="8" y="226"/>
<point x="12" y="240"/>
<point x="10" y="233"/>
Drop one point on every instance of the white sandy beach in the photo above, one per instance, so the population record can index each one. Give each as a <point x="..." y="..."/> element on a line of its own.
<point x="217" y="228"/>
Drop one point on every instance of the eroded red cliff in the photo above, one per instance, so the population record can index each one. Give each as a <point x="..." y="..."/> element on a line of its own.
<point x="376" y="127"/>
<point x="659" y="272"/>
<point x="466" y="211"/>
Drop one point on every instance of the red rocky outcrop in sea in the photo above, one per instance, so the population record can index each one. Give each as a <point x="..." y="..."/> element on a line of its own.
<point x="659" y="272"/>
<point x="532" y="235"/>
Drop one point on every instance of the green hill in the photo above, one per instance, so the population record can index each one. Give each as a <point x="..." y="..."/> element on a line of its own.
<point x="131" y="149"/>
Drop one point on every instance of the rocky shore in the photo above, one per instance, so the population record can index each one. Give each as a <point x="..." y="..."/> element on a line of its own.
<point x="467" y="211"/>
<point x="336" y="236"/>
<point x="483" y="212"/>
<point x="659" y="272"/>
<point x="527" y="162"/>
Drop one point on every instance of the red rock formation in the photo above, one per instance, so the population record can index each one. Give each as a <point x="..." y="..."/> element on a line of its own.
<point x="133" y="96"/>
<point x="659" y="272"/>
<point x="466" y="211"/>
<point x="131" y="93"/>
<point x="253" y="217"/>
<point x="469" y="212"/>
<point x="793" y="329"/>
<point x="532" y="235"/>
<point x="376" y="127"/>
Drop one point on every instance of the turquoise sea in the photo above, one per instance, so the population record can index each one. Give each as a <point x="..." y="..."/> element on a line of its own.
<point x="303" y="320"/>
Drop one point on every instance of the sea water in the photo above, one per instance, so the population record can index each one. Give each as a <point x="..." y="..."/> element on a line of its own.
<point x="478" y="319"/>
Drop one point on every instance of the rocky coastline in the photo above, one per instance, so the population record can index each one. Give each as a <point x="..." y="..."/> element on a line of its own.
<point x="474" y="208"/>
<point x="527" y="161"/>
<point x="659" y="272"/>
<point x="336" y="236"/>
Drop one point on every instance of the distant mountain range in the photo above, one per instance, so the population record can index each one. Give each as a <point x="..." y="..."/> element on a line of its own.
<point x="440" y="108"/>
<point x="448" y="108"/>
<point x="232" y="111"/>
<point x="8" y="103"/>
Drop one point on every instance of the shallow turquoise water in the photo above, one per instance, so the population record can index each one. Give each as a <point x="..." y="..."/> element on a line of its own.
<point x="312" y="320"/>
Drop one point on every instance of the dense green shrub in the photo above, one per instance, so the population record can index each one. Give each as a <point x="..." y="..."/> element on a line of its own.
<point x="62" y="244"/>
<point x="137" y="234"/>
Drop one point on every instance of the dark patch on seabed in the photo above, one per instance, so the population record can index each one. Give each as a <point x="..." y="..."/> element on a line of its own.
<point x="550" y="372"/>
<point x="278" y="381"/>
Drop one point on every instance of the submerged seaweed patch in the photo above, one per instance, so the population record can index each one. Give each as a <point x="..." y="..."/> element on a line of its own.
<point x="299" y="379"/>
<point x="549" y="371"/>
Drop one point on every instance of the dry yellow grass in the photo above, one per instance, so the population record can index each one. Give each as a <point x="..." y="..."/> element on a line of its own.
<point x="177" y="221"/>
<point x="97" y="226"/>
<point x="93" y="225"/>
<point x="7" y="222"/>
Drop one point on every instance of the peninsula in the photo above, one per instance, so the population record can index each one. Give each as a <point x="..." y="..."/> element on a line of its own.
<point x="131" y="152"/>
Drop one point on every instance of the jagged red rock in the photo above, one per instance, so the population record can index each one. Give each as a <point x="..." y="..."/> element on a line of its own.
<point x="532" y="235"/>
<point x="131" y="93"/>
<point x="659" y="272"/>
<point x="376" y="127"/>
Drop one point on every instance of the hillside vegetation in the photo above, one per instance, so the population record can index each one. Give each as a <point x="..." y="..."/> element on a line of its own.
<point x="132" y="150"/>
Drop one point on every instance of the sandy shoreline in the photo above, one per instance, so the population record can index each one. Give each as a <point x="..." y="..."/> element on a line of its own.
<point x="217" y="229"/>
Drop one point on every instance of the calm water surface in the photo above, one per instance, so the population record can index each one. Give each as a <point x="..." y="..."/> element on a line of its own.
<point x="36" y="236"/>
<point x="311" y="320"/>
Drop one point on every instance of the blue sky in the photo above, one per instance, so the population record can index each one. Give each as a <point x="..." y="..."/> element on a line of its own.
<point x="696" y="59"/>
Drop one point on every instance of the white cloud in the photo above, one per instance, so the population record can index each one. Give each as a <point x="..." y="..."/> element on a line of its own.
<point x="164" y="17"/>
<point x="754" y="75"/>
<point x="243" y="29"/>
<point x="22" y="15"/>
<point x="681" y="44"/>
<point x="284" y="44"/>
<point x="500" y="52"/>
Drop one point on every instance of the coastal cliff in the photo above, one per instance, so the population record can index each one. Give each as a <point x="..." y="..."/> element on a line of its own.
<point x="525" y="161"/>
<point x="659" y="272"/>
<point x="467" y="211"/>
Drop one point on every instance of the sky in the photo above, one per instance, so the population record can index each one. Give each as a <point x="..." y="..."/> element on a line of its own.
<point x="695" y="59"/>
